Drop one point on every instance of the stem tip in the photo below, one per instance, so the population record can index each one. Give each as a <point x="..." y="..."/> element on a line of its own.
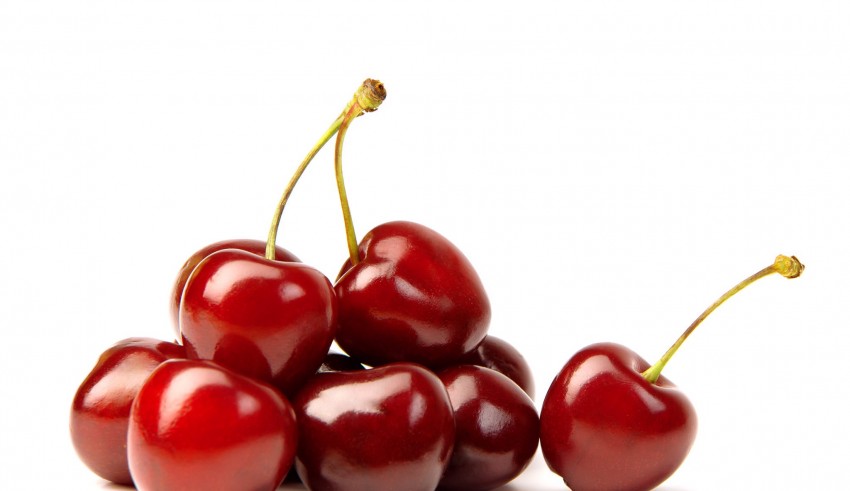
<point x="789" y="267"/>
<point x="370" y="95"/>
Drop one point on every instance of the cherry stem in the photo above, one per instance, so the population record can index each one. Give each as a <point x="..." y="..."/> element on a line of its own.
<point x="789" y="267"/>
<point x="374" y="94"/>
<point x="367" y="100"/>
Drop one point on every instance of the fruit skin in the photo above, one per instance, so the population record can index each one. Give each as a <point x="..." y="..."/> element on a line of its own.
<point x="100" y="411"/>
<point x="605" y="427"/>
<point x="257" y="247"/>
<point x="197" y="425"/>
<point x="496" y="429"/>
<point x="270" y="320"/>
<point x="412" y="297"/>
<point x="499" y="355"/>
<point x="384" y="428"/>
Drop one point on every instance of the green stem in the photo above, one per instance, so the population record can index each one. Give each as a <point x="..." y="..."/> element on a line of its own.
<point x="367" y="98"/>
<point x="350" y="235"/>
<point x="372" y="98"/>
<point x="272" y="239"/>
<point x="789" y="267"/>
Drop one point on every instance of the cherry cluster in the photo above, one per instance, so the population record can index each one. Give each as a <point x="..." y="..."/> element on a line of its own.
<point x="422" y="398"/>
<point x="254" y="389"/>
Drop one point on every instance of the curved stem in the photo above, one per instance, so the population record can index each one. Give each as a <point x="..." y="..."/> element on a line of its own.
<point x="789" y="267"/>
<point x="373" y="95"/>
<point x="350" y="235"/>
<point x="272" y="238"/>
<point x="367" y="98"/>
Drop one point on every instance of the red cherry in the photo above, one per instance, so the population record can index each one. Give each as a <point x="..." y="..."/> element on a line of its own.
<point x="610" y="421"/>
<point x="605" y="427"/>
<point x="196" y="425"/>
<point x="385" y="428"/>
<point x="499" y="355"/>
<point x="496" y="429"/>
<point x="413" y="296"/>
<point x="100" y="411"/>
<point x="270" y="320"/>
<point x="257" y="247"/>
<point x="406" y="292"/>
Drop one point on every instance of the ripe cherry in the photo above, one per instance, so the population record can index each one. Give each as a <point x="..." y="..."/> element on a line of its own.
<point x="406" y="293"/>
<point x="197" y="425"/>
<point x="270" y="320"/>
<point x="496" y="429"/>
<point x="257" y="247"/>
<point x="610" y="421"/>
<point x="100" y="412"/>
<point x="385" y="428"/>
<point x="412" y="297"/>
<point x="499" y="355"/>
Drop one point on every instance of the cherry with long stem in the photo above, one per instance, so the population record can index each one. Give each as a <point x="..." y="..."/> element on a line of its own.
<point x="367" y="98"/>
<point x="789" y="267"/>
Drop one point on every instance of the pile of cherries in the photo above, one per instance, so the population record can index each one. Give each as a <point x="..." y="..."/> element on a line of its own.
<point x="253" y="384"/>
<point x="254" y="392"/>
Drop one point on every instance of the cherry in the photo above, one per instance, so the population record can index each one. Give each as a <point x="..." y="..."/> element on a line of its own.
<point x="499" y="355"/>
<point x="197" y="425"/>
<point x="264" y="318"/>
<point x="413" y="297"/>
<point x="385" y="428"/>
<point x="406" y="293"/>
<point x="496" y="429"/>
<point x="610" y="421"/>
<point x="270" y="320"/>
<point x="100" y="412"/>
<point x="255" y="246"/>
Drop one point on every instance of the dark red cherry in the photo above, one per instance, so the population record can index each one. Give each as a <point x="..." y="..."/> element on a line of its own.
<point x="610" y="421"/>
<point x="499" y="355"/>
<point x="604" y="426"/>
<point x="385" y="428"/>
<point x="257" y="247"/>
<point x="270" y="320"/>
<point x="413" y="296"/>
<point x="197" y="425"/>
<point x="100" y="411"/>
<point x="496" y="429"/>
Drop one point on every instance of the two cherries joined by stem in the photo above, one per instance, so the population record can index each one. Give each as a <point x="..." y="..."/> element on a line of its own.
<point x="611" y="421"/>
<point x="412" y="306"/>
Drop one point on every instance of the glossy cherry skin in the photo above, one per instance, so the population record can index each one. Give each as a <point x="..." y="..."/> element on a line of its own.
<point x="197" y="425"/>
<point x="334" y="362"/>
<point x="496" y="429"/>
<point x="257" y="247"/>
<point x="270" y="320"/>
<point x="499" y="355"/>
<point x="412" y="297"/>
<point x="384" y="428"/>
<point x="100" y="412"/>
<point x="605" y="427"/>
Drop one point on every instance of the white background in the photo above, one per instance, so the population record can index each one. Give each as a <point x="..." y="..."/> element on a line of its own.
<point x="610" y="168"/>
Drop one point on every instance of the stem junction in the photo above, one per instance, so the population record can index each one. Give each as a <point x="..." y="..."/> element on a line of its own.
<point x="367" y="98"/>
